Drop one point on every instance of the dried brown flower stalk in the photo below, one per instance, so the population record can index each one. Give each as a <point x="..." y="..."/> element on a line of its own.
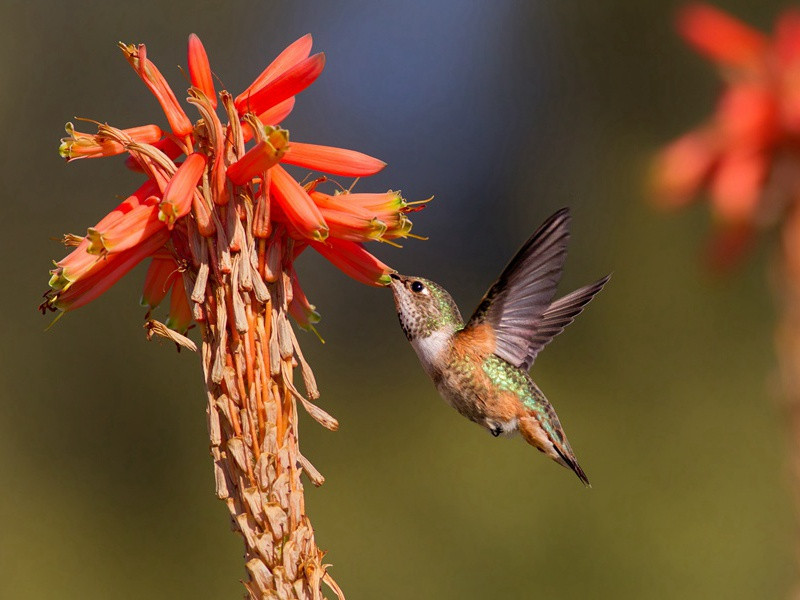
<point x="249" y="354"/>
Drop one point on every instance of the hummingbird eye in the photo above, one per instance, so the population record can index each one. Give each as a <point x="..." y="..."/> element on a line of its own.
<point x="417" y="287"/>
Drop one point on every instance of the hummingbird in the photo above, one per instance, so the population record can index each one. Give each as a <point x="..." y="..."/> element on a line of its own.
<point x="481" y="367"/>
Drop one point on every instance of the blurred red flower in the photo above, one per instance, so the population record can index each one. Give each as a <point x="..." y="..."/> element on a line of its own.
<point x="745" y="156"/>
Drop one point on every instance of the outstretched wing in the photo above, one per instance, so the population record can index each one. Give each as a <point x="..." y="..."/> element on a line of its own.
<point x="515" y="304"/>
<point x="558" y="315"/>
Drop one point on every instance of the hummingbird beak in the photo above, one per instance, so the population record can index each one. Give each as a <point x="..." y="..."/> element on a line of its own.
<point x="396" y="283"/>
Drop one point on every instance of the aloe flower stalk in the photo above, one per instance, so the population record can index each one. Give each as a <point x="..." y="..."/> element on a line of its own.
<point x="221" y="222"/>
<point x="745" y="160"/>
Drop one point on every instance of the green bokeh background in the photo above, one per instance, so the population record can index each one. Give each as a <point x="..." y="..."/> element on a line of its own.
<point x="505" y="111"/>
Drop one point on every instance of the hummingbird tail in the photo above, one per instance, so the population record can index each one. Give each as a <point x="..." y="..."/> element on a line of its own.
<point x="572" y="463"/>
<point x="559" y="451"/>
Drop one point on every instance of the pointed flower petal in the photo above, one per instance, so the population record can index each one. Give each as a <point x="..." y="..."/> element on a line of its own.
<point x="721" y="37"/>
<point x="200" y="70"/>
<point x="295" y="203"/>
<point x="354" y="261"/>
<point x="290" y="83"/>
<point x="181" y="188"/>
<point x="328" y="159"/>
<point x="293" y="54"/>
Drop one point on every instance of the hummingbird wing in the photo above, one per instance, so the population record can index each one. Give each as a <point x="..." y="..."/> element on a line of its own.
<point x="516" y="302"/>
<point x="558" y="315"/>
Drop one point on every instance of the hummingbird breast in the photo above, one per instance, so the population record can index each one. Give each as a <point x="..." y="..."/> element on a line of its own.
<point x="466" y="384"/>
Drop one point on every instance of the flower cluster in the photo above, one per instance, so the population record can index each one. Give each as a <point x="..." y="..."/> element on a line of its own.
<point x="746" y="154"/>
<point x="210" y="184"/>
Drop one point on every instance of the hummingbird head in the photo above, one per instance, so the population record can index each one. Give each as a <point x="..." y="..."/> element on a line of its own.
<point x="424" y="307"/>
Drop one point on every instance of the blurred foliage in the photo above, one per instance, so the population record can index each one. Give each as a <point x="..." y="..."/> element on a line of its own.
<point x="505" y="111"/>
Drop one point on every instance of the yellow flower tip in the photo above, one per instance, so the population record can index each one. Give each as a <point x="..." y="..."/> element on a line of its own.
<point x="385" y="280"/>
<point x="320" y="234"/>
<point x="64" y="148"/>
<point x="58" y="280"/>
<point x="96" y="242"/>
<point x="167" y="213"/>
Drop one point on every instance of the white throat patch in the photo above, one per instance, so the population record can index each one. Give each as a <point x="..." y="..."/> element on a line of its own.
<point x="431" y="348"/>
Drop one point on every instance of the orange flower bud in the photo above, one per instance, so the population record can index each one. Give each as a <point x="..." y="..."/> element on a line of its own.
<point x="293" y="54"/>
<point x="291" y="82"/>
<point x="200" y="70"/>
<point x="337" y="161"/>
<point x="297" y="206"/>
<point x="181" y="188"/>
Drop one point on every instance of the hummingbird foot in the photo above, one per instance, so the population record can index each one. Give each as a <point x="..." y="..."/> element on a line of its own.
<point x="498" y="428"/>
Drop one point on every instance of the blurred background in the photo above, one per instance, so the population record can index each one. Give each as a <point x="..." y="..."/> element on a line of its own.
<point x="505" y="111"/>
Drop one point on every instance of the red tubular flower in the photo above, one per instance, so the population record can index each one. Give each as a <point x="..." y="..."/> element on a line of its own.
<point x="355" y="261"/>
<point x="273" y="116"/>
<point x="132" y="229"/>
<point x="293" y="81"/>
<point x="180" y="313"/>
<point x="79" y="261"/>
<point x="293" y="54"/>
<point x="721" y="37"/>
<point x="154" y="80"/>
<point x="270" y="117"/>
<point x="229" y="179"/>
<point x="683" y="166"/>
<point x="86" y="145"/>
<point x="260" y="158"/>
<point x="181" y="189"/>
<point x="755" y="127"/>
<point x="300" y="308"/>
<point x="337" y="161"/>
<point x="109" y="271"/>
<point x="159" y="278"/>
<point x="381" y="216"/>
<point x="297" y="205"/>
<point x="200" y="70"/>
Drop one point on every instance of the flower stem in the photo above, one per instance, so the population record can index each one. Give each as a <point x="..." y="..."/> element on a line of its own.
<point x="249" y="354"/>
